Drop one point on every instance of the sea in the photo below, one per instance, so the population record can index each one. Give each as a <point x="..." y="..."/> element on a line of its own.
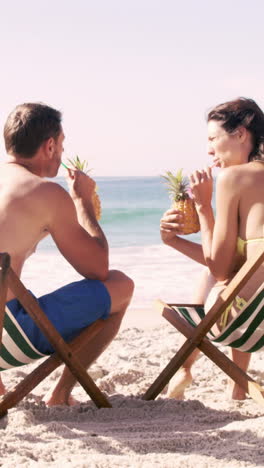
<point x="131" y="212"/>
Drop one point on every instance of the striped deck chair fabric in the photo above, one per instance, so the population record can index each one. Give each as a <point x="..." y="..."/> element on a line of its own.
<point x="245" y="332"/>
<point x="16" y="349"/>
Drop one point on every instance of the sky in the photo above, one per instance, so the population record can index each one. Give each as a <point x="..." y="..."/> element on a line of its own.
<point x="133" y="78"/>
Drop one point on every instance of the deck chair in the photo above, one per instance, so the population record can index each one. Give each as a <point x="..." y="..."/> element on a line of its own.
<point x="250" y="320"/>
<point x="16" y="349"/>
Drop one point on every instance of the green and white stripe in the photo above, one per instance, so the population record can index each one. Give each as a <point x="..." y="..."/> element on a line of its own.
<point x="16" y="349"/>
<point x="245" y="332"/>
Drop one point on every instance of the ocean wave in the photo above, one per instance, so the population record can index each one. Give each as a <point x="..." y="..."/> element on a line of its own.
<point x="130" y="214"/>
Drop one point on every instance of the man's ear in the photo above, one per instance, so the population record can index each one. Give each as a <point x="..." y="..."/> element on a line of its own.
<point x="49" y="147"/>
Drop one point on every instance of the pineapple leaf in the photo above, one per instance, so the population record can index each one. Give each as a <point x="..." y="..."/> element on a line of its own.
<point x="78" y="164"/>
<point x="177" y="185"/>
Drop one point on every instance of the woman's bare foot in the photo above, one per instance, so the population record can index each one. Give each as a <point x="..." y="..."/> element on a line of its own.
<point x="2" y="388"/>
<point x="235" y="392"/>
<point x="178" y="383"/>
<point x="58" y="400"/>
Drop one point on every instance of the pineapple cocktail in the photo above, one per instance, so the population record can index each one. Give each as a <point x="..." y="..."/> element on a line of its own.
<point x="180" y="194"/>
<point x="83" y="166"/>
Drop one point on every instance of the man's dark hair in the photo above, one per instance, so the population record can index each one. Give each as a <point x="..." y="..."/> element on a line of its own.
<point x="242" y="112"/>
<point x="28" y="126"/>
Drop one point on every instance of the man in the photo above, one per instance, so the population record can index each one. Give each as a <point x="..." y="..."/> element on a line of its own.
<point x="32" y="207"/>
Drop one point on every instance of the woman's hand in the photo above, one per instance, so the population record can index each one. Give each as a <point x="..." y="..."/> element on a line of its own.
<point x="171" y="225"/>
<point x="80" y="185"/>
<point x="201" y="184"/>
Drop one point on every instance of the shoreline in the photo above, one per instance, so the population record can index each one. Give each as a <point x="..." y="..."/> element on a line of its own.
<point x="158" y="273"/>
<point x="142" y="318"/>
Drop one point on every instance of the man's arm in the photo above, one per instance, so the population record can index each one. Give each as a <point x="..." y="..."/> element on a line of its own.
<point x="74" y="228"/>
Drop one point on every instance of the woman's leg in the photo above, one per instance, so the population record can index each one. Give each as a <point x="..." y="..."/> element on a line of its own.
<point x="183" y="377"/>
<point x="242" y="360"/>
<point x="208" y="291"/>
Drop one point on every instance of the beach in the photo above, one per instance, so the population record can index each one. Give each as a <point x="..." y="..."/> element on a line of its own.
<point x="136" y="93"/>
<point x="206" y="429"/>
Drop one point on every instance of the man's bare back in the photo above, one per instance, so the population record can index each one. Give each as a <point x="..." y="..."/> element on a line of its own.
<point x="22" y="225"/>
<point x="31" y="207"/>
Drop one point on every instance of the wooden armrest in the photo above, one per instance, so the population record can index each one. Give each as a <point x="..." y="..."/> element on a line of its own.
<point x="159" y="305"/>
<point x="185" y="305"/>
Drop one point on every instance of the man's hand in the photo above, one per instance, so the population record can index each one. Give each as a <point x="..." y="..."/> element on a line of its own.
<point x="81" y="186"/>
<point x="171" y="225"/>
<point x="201" y="183"/>
<point x="82" y="189"/>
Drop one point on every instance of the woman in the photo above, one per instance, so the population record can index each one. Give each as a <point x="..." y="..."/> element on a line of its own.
<point x="236" y="144"/>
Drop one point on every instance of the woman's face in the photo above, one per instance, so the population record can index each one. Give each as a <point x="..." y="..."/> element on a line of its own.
<point x="225" y="148"/>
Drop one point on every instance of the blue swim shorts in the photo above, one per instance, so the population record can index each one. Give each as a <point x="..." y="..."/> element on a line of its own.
<point x="70" y="308"/>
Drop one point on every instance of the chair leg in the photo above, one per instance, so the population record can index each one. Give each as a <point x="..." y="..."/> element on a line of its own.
<point x="32" y="307"/>
<point x="195" y="337"/>
<point x="33" y="379"/>
<point x="220" y="359"/>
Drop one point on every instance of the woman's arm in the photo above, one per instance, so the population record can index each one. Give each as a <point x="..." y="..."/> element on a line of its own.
<point x="170" y="226"/>
<point x="223" y="250"/>
<point x="218" y="236"/>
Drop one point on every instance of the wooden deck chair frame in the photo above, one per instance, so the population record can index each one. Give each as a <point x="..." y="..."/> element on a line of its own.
<point x="196" y="337"/>
<point x="64" y="352"/>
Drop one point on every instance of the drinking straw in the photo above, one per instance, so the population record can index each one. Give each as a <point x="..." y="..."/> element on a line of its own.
<point x="64" y="165"/>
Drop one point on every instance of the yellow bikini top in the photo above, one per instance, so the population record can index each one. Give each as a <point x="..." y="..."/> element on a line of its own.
<point x="241" y="244"/>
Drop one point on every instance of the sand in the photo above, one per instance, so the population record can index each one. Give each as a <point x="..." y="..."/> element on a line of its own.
<point x="204" y="430"/>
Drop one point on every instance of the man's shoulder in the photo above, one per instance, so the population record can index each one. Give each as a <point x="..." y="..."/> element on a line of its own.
<point x="48" y="185"/>
<point x="16" y="179"/>
<point x="18" y="185"/>
<point x="46" y="199"/>
<point x="50" y="191"/>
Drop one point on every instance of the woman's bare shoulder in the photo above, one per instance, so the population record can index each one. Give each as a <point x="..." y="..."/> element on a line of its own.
<point x="246" y="174"/>
<point x="229" y="176"/>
